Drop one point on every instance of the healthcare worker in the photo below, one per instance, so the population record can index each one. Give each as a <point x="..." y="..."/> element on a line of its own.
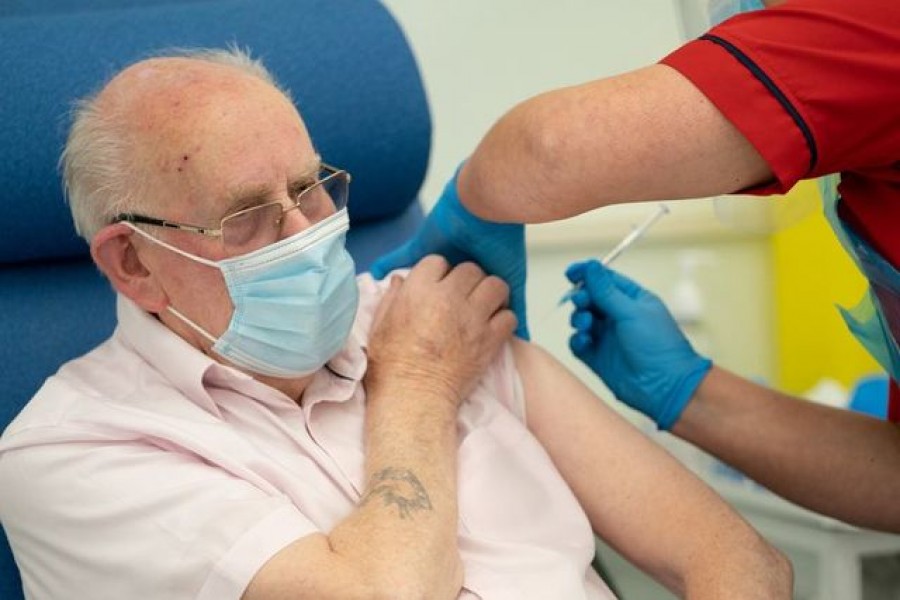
<point x="804" y="89"/>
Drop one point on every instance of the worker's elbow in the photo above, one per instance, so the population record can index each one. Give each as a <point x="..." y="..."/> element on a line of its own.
<point x="542" y="135"/>
<point x="518" y="159"/>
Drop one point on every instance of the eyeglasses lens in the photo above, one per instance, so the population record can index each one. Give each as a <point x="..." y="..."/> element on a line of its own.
<point x="251" y="229"/>
<point x="259" y="226"/>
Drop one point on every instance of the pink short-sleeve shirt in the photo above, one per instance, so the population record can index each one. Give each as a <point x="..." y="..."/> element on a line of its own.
<point x="145" y="469"/>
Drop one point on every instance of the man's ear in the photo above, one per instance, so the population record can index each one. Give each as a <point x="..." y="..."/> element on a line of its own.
<point x="115" y="254"/>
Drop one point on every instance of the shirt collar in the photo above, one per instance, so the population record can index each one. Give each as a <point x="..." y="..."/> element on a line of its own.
<point x="192" y="372"/>
<point x="166" y="352"/>
<point x="341" y="377"/>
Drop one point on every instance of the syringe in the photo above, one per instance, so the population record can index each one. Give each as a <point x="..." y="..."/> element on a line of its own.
<point x="634" y="235"/>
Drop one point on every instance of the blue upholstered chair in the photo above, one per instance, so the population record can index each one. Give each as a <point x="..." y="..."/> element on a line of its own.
<point x="346" y="63"/>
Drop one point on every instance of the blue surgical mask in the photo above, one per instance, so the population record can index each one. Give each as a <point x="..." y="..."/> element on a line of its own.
<point x="294" y="301"/>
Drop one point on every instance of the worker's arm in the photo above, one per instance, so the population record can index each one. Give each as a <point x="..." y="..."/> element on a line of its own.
<point x="640" y="500"/>
<point x="833" y="461"/>
<point x="649" y="134"/>
<point x="433" y="337"/>
<point x="644" y="135"/>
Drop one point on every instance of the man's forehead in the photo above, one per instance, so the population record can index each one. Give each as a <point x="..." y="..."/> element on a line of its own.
<point x="168" y="80"/>
<point x="192" y="122"/>
<point x="167" y="103"/>
<point x="176" y="69"/>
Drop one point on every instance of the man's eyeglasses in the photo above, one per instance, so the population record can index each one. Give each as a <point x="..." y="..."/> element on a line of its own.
<point x="253" y="228"/>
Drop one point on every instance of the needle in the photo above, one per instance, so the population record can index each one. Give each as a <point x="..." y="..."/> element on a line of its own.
<point x="634" y="235"/>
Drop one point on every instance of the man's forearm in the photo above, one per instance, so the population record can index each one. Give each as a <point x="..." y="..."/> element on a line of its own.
<point x="404" y="531"/>
<point x="640" y="500"/>
<point x="832" y="461"/>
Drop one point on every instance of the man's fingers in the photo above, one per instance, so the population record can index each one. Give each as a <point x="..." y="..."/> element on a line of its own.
<point x="429" y="270"/>
<point x="492" y="293"/>
<point x="465" y="277"/>
<point x="503" y="324"/>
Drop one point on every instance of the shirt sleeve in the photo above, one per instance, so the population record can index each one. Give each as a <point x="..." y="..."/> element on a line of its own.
<point x="132" y="520"/>
<point x="501" y="381"/>
<point x="812" y="84"/>
<point x="506" y="383"/>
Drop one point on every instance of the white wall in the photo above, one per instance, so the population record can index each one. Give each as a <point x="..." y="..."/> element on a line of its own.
<point x="480" y="57"/>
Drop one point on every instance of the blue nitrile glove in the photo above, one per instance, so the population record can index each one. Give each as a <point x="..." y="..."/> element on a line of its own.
<point x="453" y="232"/>
<point x="626" y="335"/>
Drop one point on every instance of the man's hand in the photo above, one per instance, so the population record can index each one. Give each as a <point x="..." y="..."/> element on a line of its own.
<point x="432" y="336"/>
<point x="453" y="232"/>
<point x="626" y="335"/>
<point x="439" y="328"/>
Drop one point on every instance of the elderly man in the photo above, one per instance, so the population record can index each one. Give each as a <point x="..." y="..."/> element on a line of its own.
<point x="262" y="425"/>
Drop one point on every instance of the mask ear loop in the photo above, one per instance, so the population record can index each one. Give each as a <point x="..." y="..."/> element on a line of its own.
<point x="191" y="324"/>
<point x="198" y="259"/>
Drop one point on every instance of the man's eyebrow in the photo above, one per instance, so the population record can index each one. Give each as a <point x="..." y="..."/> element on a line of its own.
<point x="247" y="196"/>
<point x="309" y="174"/>
<point x="254" y="195"/>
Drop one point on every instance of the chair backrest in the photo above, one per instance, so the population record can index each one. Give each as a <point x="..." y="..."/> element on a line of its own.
<point x="346" y="62"/>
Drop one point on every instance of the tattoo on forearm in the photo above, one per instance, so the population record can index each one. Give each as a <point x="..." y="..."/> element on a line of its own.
<point x="401" y="488"/>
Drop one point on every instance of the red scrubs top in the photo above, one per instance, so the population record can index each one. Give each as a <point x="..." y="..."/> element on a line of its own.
<point x="814" y="85"/>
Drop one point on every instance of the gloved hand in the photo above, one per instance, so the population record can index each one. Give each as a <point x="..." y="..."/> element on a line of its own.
<point x="626" y="335"/>
<point x="458" y="235"/>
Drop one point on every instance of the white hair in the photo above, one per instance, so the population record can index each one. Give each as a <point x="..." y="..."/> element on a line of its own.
<point x="100" y="180"/>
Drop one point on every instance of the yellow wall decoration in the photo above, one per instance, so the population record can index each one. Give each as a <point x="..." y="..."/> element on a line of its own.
<point x="811" y="274"/>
